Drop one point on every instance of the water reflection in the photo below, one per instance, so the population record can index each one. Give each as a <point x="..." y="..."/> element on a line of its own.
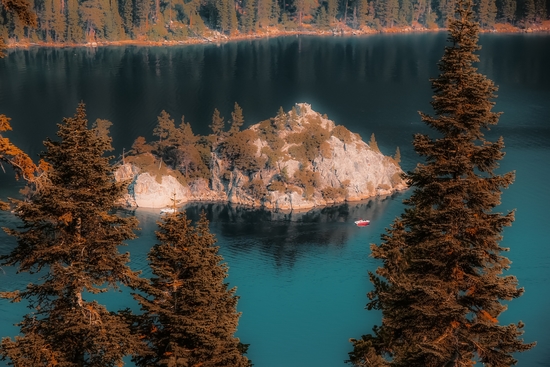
<point x="282" y="237"/>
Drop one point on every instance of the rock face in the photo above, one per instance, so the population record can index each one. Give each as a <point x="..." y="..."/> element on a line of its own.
<point x="344" y="169"/>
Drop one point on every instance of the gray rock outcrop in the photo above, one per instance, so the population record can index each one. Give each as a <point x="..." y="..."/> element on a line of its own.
<point x="346" y="169"/>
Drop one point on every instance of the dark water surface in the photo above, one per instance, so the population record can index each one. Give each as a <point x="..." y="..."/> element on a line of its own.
<point x="302" y="278"/>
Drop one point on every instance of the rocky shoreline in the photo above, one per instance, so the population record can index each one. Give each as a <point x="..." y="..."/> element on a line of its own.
<point x="272" y="32"/>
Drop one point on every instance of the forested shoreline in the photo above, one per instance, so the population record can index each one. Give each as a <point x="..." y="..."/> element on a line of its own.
<point x="77" y="22"/>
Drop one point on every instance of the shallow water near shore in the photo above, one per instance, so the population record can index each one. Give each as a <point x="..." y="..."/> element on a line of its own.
<point x="302" y="277"/>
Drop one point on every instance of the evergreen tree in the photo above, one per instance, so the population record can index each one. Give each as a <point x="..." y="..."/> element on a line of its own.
<point x="12" y="155"/>
<point x="166" y="131"/>
<point x="190" y="314"/>
<point x="263" y="13"/>
<point x="248" y="18"/>
<point x="487" y="13"/>
<point x="58" y="21"/>
<point x="323" y="21"/>
<point x="441" y="287"/>
<point x="74" y="30"/>
<point x="507" y="10"/>
<point x="405" y="12"/>
<point x="304" y="8"/>
<point x="419" y="10"/>
<point x="222" y="15"/>
<point x="391" y="12"/>
<point x="332" y="10"/>
<point x="237" y="120"/>
<point x="70" y="234"/>
<point x="529" y="12"/>
<point x="46" y="16"/>
<point x="114" y="27"/>
<point x="540" y="12"/>
<point x="217" y="127"/>
<point x="280" y="119"/>
<point x="446" y="9"/>
<point x="397" y="156"/>
<point x="141" y="14"/>
<point x="93" y="16"/>
<point x="233" y="21"/>
<point x="362" y="13"/>
<point x="275" y="13"/>
<point x="21" y="9"/>
<point x="373" y="144"/>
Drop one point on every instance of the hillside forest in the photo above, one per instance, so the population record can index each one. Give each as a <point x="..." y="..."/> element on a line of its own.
<point x="88" y="21"/>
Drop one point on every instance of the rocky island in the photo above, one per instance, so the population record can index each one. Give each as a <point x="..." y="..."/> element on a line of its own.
<point x="296" y="160"/>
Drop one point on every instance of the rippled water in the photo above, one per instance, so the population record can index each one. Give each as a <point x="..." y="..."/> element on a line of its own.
<point x="302" y="278"/>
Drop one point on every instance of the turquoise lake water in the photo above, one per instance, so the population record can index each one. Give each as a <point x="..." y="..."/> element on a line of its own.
<point x="302" y="278"/>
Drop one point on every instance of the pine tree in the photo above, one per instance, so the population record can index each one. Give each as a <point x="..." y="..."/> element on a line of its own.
<point x="222" y="15"/>
<point x="446" y="9"/>
<point x="166" y="131"/>
<point x="74" y="30"/>
<point x="419" y="10"/>
<point x="190" y="314"/>
<point x="541" y="11"/>
<point x="529" y="12"/>
<point x="487" y="13"/>
<point x="390" y="12"/>
<point x="237" y="120"/>
<point x="507" y="11"/>
<point x="10" y="154"/>
<point x="217" y="127"/>
<point x="70" y="234"/>
<point x="441" y="287"/>
<point x="405" y="12"/>
<point x="128" y="16"/>
<point x="58" y="21"/>
<point x="275" y="13"/>
<point x="332" y="10"/>
<point x="362" y="13"/>
<point x="373" y="144"/>
<point x="323" y="21"/>
<point x="397" y="156"/>
<point x="248" y="18"/>
<point x="233" y="21"/>
<point x="263" y="11"/>
<point x="23" y="10"/>
<point x="218" y="124"/>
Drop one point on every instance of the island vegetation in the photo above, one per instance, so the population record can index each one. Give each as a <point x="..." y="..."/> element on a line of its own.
<point x="440" y="286"/>
<point x="295" y="160"/>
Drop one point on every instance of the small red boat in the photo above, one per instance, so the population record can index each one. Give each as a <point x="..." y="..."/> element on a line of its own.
<point x="362" y="222"/>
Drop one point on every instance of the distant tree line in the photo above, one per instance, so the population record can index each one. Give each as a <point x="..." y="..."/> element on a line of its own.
<point x="78" y="21"/>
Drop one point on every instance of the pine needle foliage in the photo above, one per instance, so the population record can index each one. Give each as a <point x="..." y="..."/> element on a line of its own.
<point x="10" y="154"/>
<point x="70" y="236"/>
<point x="190" y="314"/>
<point x="441" y="286"/>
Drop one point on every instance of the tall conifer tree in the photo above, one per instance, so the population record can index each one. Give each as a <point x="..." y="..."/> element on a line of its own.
<point x="23" y="10"/>
<point x="70" y="235"/>
<point x="237" y="120"/>
<point x="441" y="287"/>
<point x="190" y="315"/>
